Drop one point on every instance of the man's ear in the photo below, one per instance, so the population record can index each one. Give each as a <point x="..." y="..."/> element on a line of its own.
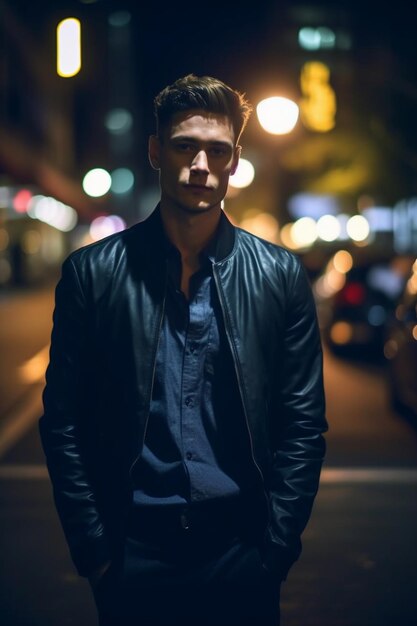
<point x="236" y="158"/>
<point x="153" y="151"/>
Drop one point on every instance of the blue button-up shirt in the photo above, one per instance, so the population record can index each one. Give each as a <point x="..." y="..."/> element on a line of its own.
<point x="197" y="443"/>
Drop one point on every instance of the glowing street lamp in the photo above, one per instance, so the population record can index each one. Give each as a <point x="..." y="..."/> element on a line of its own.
<point x="277" y="115"/>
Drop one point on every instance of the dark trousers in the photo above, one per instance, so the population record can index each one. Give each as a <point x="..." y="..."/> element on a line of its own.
<point x="188" y="577"/>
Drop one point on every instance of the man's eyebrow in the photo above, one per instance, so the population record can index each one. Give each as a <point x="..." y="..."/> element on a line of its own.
<point x="211" y="142"/>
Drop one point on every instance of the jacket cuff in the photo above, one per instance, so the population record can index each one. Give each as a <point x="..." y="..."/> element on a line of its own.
<point x="90" y="555"/>
<point x="276" y="560"/>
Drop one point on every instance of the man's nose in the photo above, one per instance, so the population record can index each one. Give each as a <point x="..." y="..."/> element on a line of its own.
<point x="200" y="162"/>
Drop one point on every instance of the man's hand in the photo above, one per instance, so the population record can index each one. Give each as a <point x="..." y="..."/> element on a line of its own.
<point x="95" y="577"/>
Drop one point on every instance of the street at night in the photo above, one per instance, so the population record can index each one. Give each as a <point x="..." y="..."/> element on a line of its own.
<point x="296" y="119"/>
<point x="358" y="563"/>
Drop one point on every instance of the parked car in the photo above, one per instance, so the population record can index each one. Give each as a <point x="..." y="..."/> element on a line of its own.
<point x="355" y="298"/>
<point x="400" y="350"/>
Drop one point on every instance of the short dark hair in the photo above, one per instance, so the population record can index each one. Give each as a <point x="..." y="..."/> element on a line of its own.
<point x="202" y="92"/>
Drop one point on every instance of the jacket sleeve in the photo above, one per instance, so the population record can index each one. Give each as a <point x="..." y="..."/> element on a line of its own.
<point x="300" y="449"/>
<point x="60" y="425"/>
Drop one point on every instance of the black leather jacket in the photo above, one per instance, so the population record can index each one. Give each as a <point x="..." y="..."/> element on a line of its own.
<point x="107" y="320"/>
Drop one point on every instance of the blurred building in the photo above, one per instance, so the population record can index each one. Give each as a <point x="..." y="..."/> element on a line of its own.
<point x="351" y="70"/>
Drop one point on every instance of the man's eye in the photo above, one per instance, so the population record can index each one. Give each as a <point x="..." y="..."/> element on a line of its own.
<point x="184" y="147"/>
<point x="219" y="151"/>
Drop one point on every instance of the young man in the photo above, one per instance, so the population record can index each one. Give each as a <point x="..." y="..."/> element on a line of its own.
<point x="184" y="406"/>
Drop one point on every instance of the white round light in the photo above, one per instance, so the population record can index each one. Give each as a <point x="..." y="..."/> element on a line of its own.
<point x="328" y="228"/>
<point x="97" y="182"/>
<point x="358" y="228"/>
<point x="304" y="232"/>
<point x="277" y="115"/>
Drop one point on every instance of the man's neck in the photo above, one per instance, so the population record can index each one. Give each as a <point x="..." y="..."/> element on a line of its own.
<point x="190" y="233"/>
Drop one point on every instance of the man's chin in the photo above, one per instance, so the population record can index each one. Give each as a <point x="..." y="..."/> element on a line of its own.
<point x="196" y="209"/>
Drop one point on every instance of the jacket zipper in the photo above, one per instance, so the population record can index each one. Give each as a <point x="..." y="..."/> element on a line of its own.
<point x="239" y="382"/>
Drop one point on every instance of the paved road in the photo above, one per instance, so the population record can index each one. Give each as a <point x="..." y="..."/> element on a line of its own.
<point x="358" y="566"/>
<point x="25" y="329"/>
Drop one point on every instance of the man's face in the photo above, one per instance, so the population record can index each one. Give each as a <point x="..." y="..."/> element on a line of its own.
<point x="195" y="155"/>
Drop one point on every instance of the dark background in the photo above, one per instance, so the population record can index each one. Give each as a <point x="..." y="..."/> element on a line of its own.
<point x="252" y="46"/>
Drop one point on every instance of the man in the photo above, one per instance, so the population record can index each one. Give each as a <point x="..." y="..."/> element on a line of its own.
<point x="184" y="404"/>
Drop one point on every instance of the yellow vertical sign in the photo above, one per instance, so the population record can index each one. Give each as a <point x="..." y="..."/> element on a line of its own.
<point x="318" y="102"/>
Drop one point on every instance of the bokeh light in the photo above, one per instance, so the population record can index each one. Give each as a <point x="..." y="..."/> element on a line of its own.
<point x="106" y="225"/>
<point x="358" y="228"/>
<point x="328" y="228"/>
<point x="277" y="115"/>
<point x="122" y="180"/>
<point x="243" y="176"/>
<point x="97" y="182"/>
<point x="68" y="35"/>
<point x="21" y="200"/>
<point x="52" y="212"/>
<point x="118" y="121"/>
<point x="261" y="224"/>
<point x="304" y="232"/>
<point x="342" y="261"/>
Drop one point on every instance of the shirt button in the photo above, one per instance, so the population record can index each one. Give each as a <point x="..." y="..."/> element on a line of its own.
<point x="189" y="401"/>
<point x="189" y="456"/>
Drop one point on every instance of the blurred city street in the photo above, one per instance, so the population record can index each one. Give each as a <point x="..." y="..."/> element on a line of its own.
<point x="328" y="171"/>
<point x="358" y="567"/>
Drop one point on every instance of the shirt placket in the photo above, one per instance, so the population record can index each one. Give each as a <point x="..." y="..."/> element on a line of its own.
<point x="194" y="354"/>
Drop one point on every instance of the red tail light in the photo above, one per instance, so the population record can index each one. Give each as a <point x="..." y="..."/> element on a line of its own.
<point x="352" y="294"/>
